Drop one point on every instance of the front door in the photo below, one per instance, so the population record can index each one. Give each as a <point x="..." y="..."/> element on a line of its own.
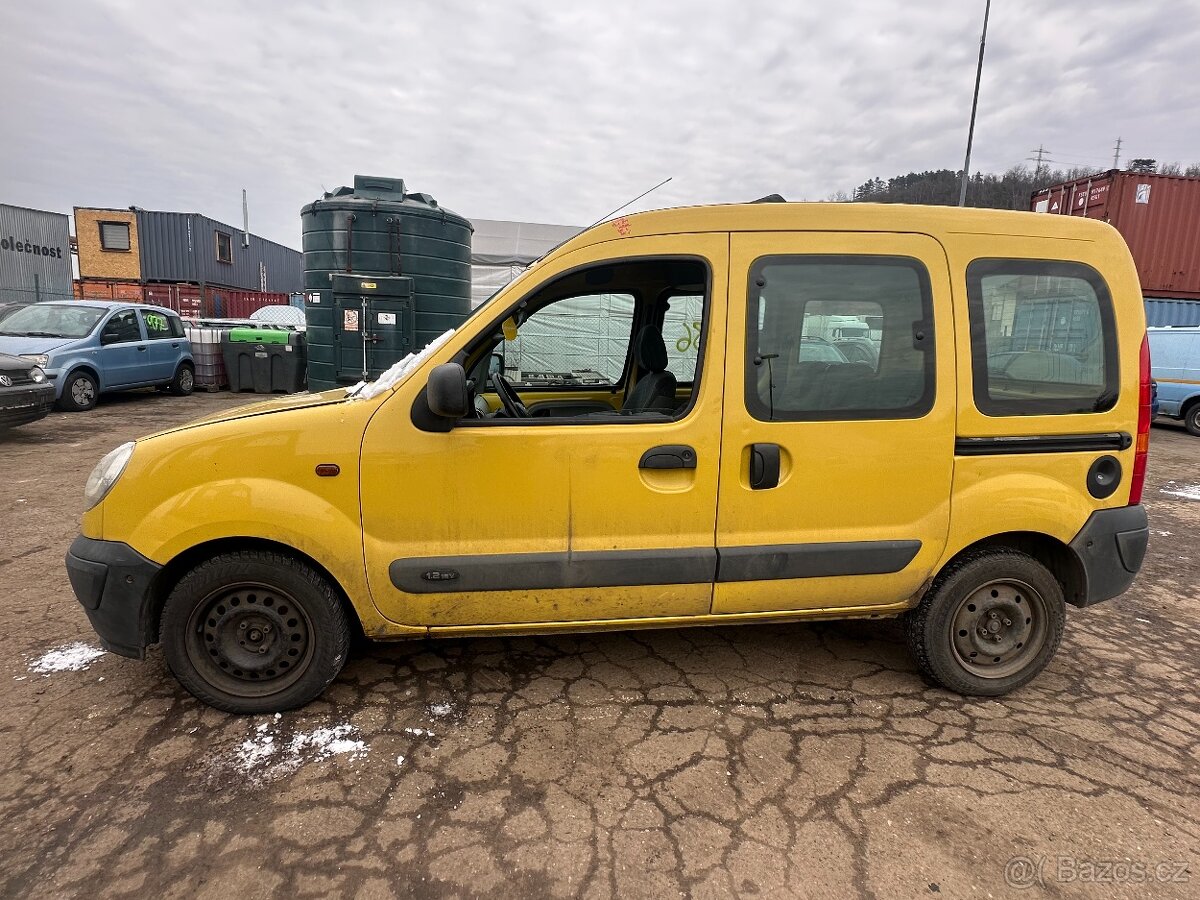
<point x="836" y="464"/>
<point x="583" y="512"/>
<point x="124" y="355"/>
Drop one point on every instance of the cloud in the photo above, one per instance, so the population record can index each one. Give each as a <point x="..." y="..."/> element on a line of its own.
<point x="559" y="112"/>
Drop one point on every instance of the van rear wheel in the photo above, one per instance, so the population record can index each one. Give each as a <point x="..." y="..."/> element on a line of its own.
<point x="254" y="632"/>
<point x="989" y="624"/>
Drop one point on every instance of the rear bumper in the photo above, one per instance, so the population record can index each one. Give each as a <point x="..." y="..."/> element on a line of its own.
<point x="20" y="405"/>
<point x="1111" y="548"/>
<point x="112" y="582"/>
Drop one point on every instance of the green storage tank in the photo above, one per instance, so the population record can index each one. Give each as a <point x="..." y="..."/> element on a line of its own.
<point x="399" y="248"/>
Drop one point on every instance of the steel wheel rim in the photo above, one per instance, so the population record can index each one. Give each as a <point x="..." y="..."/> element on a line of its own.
<point x="185" y="379"/>
<point x="250" y="639"/>
<point x="999" y="628"/>
<point x="82" y="391"/>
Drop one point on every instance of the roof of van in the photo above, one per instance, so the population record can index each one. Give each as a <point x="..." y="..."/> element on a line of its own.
<point x="891" y="217"/>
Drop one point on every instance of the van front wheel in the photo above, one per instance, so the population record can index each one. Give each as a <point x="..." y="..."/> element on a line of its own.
<point x="254" y="632"/>
<point x="989" y="624"/>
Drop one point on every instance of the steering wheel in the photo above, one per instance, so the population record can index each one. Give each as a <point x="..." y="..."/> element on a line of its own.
<point x="513" y="407"/>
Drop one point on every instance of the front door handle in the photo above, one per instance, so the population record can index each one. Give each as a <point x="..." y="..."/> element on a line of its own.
<point x="764" y="466"/>
<point x="668" y="456"/>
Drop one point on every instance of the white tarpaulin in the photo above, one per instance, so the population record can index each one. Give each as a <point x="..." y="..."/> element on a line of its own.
<point x="501" y="250"/>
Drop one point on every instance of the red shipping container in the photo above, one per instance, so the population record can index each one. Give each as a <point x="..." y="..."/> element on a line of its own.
<point x="1158" y="215"/>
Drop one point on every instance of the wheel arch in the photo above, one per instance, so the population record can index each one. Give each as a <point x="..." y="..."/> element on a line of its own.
<point x="1064" y="564"/>
<point x="77" y="367"/>
<point x="170" y="574"/>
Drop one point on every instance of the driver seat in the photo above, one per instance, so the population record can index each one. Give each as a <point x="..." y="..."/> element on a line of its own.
<point x="655" y="389"/>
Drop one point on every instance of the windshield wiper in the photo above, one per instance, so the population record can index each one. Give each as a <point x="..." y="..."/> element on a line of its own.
<point x="49" y="334"/>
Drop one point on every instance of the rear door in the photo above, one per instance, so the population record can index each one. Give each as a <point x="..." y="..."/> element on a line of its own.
<point x="162" y="345"/>
<point x="835" y="474"/>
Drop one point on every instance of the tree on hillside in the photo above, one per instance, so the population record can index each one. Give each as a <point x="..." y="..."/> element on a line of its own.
<point x="1011" y="190"/>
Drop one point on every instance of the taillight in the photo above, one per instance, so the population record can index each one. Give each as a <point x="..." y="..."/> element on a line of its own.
<point x="1142" y="446"/>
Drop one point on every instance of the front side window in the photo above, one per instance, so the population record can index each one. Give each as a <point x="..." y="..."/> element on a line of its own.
<point x="1043" y="339"/>
<point x="839" y="337"/>
<point x="122" y="327"/>
<point x="224" y="247"/>
<point x="614" y="339"/>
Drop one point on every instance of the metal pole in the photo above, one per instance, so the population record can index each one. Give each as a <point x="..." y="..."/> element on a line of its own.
<point x="962" y="194"/>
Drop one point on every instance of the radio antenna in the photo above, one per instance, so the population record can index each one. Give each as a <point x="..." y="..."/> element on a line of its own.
<point x="631" y="202"/>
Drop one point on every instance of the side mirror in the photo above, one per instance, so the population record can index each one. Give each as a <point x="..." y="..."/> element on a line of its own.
<point x="109" y="337"/>
<point x="495" y="364"/>
<point x="447" y="391"/>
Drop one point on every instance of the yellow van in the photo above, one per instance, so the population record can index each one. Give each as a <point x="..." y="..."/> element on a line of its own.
<point x="654" y="426"/>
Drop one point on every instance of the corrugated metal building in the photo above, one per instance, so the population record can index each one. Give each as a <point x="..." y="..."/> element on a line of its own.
<point x="172" y="248"/>
<point x="1158" y="215"/>
<point x="35" y="255"/>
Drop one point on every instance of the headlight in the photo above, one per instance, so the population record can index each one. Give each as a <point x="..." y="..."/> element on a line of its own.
<point x="38" y="359"/>
<point x="106" y="473"/>
<point x="37" y="375"/>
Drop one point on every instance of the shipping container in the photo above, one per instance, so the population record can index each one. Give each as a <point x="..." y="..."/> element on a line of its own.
<point x="1161" y="311"/>
<point x="1158" y="215"/>
<point x="35" y="255"/>
<point x="192" y="247"/>
<point x="189" y="300"/>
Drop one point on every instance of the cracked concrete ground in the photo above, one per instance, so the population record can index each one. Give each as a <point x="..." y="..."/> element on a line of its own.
<point x="800" y="760"/>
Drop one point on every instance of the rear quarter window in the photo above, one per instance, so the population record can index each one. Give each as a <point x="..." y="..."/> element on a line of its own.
<point x="1043" y="338"/>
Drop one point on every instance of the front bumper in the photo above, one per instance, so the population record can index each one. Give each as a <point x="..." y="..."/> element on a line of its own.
<point x="22" y="404"/>
<point x="112" y="581"/>
<point x="1111" y="548"/>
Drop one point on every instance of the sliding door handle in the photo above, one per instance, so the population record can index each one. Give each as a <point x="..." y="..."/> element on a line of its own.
<point x="764" y="466"/>
<point x="668" y="456"/>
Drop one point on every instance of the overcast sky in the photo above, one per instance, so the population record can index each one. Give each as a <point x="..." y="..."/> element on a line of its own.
<point x="558" y="111"/>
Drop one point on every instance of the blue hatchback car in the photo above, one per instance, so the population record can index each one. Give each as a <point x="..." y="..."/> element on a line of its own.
<point x="88" y="347"/>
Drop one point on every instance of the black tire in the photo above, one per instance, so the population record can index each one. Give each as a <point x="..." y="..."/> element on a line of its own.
<point x="254" y="632"/>
<point x="989" y="624"/>
<point x="184" y="381"/>
<point x="80" y="393"/>
<point x="1191" y="419"/>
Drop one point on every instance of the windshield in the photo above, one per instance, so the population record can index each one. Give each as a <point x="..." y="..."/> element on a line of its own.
<point x="56" y="320"/>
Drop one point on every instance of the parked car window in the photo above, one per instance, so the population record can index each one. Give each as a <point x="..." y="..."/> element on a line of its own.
<point x="158" y="325"/>
<point x="1042" y="338"/>
<point x="66" y="320"/>
<point x="124" y="327"/>
<point x="839" y="337"/>
<point x="176" y="327"/>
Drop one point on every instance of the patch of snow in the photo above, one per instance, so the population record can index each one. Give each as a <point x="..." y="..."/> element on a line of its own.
<point x="397" y="373"/>
<point x="1186" y="491"/>
<point x="1162" y="533"/>
<point x="419" y="732"/>
<point x="440" y="710"/>
<point x="263" y="758"/>
<point x="68" y="658"/>
<point x="399" y="760"/>
<point x="1140" y="619"/>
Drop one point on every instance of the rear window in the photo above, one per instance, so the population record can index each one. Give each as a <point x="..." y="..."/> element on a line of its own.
<point x="1043" y="338"/>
